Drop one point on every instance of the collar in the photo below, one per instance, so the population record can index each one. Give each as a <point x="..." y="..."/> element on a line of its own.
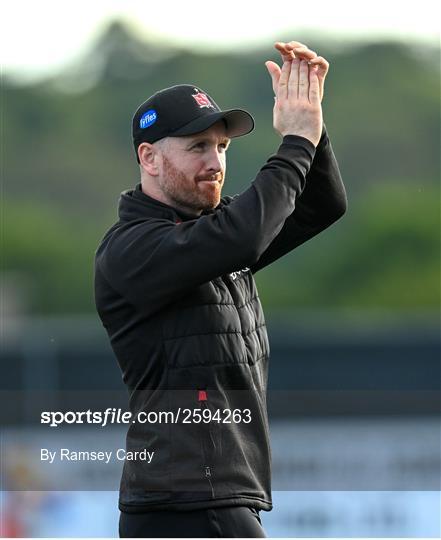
<point x="135" y="204"/>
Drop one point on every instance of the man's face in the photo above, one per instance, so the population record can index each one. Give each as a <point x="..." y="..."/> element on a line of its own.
<point x="193" y="169"/>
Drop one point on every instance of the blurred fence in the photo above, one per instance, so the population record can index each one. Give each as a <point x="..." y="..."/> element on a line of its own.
<point x="321" y="364"/>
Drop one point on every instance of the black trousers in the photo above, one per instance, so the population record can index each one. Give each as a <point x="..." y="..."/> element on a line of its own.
<point x="226" y="522"/>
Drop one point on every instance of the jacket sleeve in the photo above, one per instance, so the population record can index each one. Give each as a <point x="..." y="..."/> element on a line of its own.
<point x="152" y="262"/>
<point x="321" y="203"/>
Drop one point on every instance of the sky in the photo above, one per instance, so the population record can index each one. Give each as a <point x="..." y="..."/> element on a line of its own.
<point x="39" y="37"/>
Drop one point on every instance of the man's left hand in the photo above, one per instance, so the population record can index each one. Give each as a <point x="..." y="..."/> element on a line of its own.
<point x="295" y="49"/>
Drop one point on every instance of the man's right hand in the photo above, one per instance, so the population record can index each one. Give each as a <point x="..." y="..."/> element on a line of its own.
<point x="297" y="109"/>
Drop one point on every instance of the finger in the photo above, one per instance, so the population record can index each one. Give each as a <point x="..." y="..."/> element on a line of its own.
<point x="293" y="86"/>
<point x="282" y="88"/>
<point x="274" y="71"/>
<point x="281" y="47"/>
<point x="290" y="45"/>
<point x="322" y="64"/>
<point x="314" y="88"/>
<point x="294" y="44"/>
<point x="304" y="52"/>
<point x="303" y="80"/>
<point x="290" y="49"/>
<point x="322" y="67"/>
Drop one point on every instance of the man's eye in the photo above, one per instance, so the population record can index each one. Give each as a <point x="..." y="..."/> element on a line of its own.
<point x="199" y="146"/>
<point x="223" y="145"/>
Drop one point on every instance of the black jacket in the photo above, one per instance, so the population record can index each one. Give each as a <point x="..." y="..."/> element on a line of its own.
<point x="177" y="297"/>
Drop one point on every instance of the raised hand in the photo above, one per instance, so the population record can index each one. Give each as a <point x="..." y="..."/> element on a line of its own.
<point x="297" y="109"/>
<point x="295" y="49"/>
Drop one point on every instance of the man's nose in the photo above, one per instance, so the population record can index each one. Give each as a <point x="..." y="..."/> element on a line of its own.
<point x="215" y="161"/>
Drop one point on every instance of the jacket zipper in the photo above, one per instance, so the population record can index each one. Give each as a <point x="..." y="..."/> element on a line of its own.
<point x="208" y="476"/>
<point x="202" y="398"/>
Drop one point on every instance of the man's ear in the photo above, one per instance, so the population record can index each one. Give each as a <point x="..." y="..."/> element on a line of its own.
<point x="148" y="158"/>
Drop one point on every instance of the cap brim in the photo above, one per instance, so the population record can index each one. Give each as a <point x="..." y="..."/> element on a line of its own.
<point x="238" y="123"/>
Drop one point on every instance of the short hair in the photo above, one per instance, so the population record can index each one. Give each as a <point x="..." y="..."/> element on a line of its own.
<point x="162" y="143"/>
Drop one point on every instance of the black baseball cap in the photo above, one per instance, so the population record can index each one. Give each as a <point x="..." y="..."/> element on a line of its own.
<point x="184" y="109"/>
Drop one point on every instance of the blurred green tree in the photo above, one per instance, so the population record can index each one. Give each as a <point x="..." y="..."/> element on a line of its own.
<point x="68" y="154"/>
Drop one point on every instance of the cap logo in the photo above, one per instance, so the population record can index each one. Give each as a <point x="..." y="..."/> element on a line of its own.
<point x="202" y="99"/>
<point x="147" y="119"/>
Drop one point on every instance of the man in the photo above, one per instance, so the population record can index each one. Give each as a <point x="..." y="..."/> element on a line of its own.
<point x="175" y="291"/>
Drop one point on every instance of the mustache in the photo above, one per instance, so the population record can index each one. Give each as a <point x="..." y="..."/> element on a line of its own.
<point x="218" y="177"/>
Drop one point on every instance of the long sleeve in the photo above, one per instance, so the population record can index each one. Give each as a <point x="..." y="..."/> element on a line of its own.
<point x="321" y="203"/>
<point x="151" y="262"/>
